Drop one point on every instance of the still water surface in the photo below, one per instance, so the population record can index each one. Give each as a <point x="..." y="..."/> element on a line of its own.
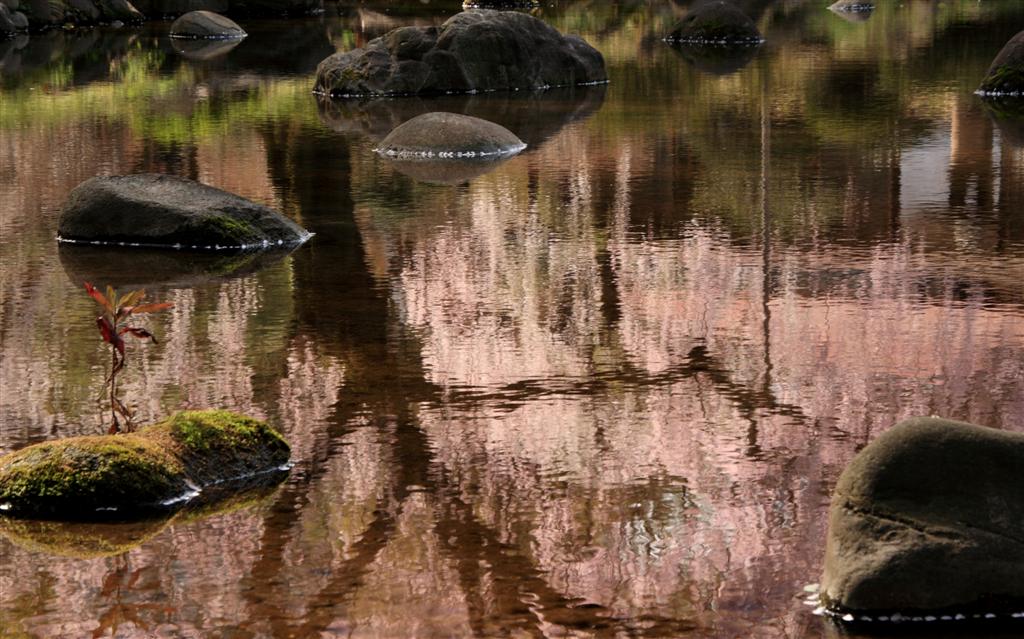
<point x="604" y="389"/>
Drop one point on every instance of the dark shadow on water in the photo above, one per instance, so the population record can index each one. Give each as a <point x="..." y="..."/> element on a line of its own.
<point x="172" y="268"/>
<point x="1008" y="116"/>
<point x="445" y="172"/>
<point x="716" y="60"/>
<point x="89" y="540"/>
<point x="534" y="117"/>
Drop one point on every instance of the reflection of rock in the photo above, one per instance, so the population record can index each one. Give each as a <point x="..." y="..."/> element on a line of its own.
<point x="852" y="10"/>
<point x="149" y="267"/>
<point x="1006" y="74"/>
<point x="164" y="210"/>
<point x="1008" y="115"/>
<point x="929" y="516"/>
<point x="714" y="59"/>
<point x="533" y="117"/>
<point x="206" y="25"/>
<point x="717" y="22"/>
<point x="158" y="469"/>
<point x="89" y="540"/>
<point x="478" y="50"/>
<point x="440" y="134"/>
<point x="446" y="171"/>
<point x="201" y="50"/>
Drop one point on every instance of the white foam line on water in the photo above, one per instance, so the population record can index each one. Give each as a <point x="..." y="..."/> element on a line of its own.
<point x="736" y="42"/>
<point x="448" y="155"/>
<point x="897" y="618"/>
<point x="198" y="247"/>
<point x="1000" y="94"/>
<point x="401" y="94"/>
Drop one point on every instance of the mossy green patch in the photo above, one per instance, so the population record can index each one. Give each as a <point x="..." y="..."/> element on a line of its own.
<point x="78" y="477"/>
<point x="72" y="475"/>
<point x="229" y="230"/>
<point x="1004" y="79"/>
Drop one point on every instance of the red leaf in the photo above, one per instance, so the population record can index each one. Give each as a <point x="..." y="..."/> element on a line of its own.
<point x="100" y="298"/>
<point x="109" y="335"/>
<point x="141" y="333"/>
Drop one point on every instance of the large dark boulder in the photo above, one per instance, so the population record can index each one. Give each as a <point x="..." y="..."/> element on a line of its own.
<point x="164" y="210"/>
<point x="479" y="50"/>
<point x="206" y="25"/>
<point x="11" y="21"/>
<point x="1006" y="74"/>
<point x="440" y="135"/>
<point x="716" y="22"/>
<point x="159" y="468"/>
<point x="929" y="517"/>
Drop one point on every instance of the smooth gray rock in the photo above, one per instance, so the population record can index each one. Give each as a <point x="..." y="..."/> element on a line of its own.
<point x="449" y="135"/>
<point x="163" y="210"/>
<point x="716" y="22"/>
<point x="479" y="50"/>
<point x="11" y="21"/>
<point x="206" y="25"/>
<point x="929" y="516"/>
<point x="1006" y="74"/>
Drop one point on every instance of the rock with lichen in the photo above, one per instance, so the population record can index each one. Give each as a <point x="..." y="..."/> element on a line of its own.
<point x="167" y="211"/>
<point x="160" y="467"/>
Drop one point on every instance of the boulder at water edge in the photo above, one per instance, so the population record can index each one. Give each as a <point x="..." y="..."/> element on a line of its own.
<point x="716" y="22"/>
<point x="127" y="475"/>
<point x="929" y="517"/>
<point x="163" y="210"/>
<point x="206" y="25"/>
<point x="449" y="135"/>
<point x="1006" y="74"/>
<point x="478" y="50"/>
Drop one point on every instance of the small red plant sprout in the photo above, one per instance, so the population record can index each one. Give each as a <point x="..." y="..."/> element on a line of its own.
<point x="113" y="327"/>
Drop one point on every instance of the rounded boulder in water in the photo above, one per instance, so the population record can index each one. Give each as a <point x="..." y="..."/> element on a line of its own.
<point x="206" y="25"/>
<point x="929" y="517"/>
<point x="716" y="22"/>
<point x="450" y="135"/>
<point x="1006" y="74"/>
<point x="167" y="211"/>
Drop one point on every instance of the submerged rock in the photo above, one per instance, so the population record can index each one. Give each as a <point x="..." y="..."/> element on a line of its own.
<point x="479" y="50"/>
<point x="206" y="25"/>
<point x="449" y="135"/>
<point x="159" y="467"/>
<point x="1006" y="74"/>
<point x="929" y="517"/>
<point x="166" y="211"/>
<point x="716" y="22"/>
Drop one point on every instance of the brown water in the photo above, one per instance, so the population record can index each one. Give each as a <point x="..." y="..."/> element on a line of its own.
<point x="603" y="390"/>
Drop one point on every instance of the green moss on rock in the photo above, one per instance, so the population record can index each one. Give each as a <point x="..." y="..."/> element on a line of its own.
<point x="78" y="477"/>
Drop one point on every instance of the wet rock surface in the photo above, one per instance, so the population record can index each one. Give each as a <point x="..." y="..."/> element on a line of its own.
<point x="162" y="210"/>
<point x="929" y="517"/>
<point x="451" y="135"/>
<point x="160" y="467"/>
<point x="1006" y="74"/>
<point x="716" y="22"/>
<point x="478" y="50"/>
<point x="206" y="25"/>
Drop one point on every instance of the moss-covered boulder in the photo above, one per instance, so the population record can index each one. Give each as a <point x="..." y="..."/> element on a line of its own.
<point x="165" y="211"/>
<point x="1006" y="74"/>
<point x="160" y="467"/>
<point x="206" y="25"/>
<point x="717" y="22"/>
<point x="478" y="50"/>
<point x="929" y="517"/>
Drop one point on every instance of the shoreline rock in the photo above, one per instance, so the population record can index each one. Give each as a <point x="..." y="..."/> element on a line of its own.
<point x="164" y="211"/>
<point x="158" y="469"/>
<point x="1005" y="76"/>
<point x="473" y="51"/>
<point x="929" y="517"/>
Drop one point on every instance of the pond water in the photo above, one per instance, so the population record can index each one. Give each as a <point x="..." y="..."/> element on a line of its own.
<point x="604" y="389"/>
